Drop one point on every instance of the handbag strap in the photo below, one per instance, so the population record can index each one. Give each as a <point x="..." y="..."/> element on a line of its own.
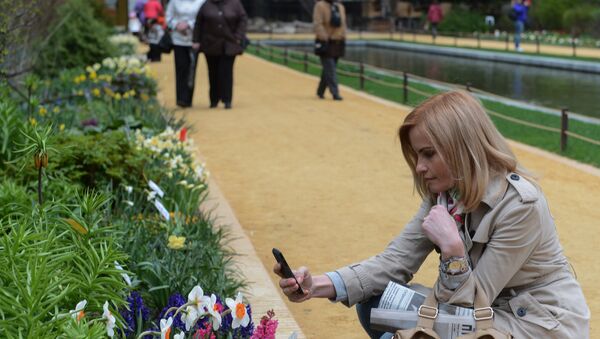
<point x="482" y="312"/>
<point x="428" y="312"/>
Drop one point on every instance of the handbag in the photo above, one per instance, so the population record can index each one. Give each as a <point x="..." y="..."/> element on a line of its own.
<point x="428" y="312"/>
<point x="165" y="44"/>
<point x="321" y="47"/>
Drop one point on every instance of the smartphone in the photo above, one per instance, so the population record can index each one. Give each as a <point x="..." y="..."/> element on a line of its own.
<point x="285" y="268"/>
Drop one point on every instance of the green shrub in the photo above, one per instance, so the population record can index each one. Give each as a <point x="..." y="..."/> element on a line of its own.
<point x="77" y="39"/>
<point x="548" y="14"/>
<point x="460" y="20"/>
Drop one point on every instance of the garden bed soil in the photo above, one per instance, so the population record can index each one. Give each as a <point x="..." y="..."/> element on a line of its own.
<point x="326" y="183"/>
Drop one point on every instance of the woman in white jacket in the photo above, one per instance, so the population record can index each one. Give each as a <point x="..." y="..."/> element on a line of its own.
<point x="181" y="17"/>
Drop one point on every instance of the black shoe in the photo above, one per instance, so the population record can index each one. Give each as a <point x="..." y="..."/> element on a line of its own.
<point x="183" y="104"/>
<point x="338" y="98"/>
<point x="214" y="104"/>
<point x="321" y="96"/>
<point x="227" y="105"/>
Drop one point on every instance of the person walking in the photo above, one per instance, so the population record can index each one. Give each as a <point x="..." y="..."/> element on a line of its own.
<point x="219" y="33"/>
<point x="488" y="220"/>
<point x="155" y="20"/>
<point x="518" y="13"/>
<point x="329" y="20"/>
<point x="181" y="17"/>
<point x="434" y="16"/>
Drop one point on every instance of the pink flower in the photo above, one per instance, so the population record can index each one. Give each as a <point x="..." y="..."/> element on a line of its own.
<point x="205" y="333"/>
<point x="183" y="134"/>
<point x="267" y="327"/>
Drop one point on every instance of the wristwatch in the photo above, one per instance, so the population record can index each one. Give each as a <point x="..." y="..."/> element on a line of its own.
<point x="454" y="265"/>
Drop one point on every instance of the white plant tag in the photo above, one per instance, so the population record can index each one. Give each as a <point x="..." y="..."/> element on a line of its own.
<point x="161" y="208"/>
<point x="155" y="188"/>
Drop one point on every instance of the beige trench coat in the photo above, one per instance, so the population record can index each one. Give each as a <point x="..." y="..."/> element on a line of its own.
<point x="516" y="257"/>
<point x="321" y="18"/>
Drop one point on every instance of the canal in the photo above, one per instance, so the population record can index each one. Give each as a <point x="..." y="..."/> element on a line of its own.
<point x="580" y="92"/>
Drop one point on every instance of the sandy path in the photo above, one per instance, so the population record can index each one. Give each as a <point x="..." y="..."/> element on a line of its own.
<point x="325" y="181"/>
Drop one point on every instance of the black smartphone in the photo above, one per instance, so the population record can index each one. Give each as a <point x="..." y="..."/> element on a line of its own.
<point x="285" y="268"/>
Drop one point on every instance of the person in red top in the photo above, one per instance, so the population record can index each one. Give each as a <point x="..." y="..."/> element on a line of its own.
<point x="434" y="16"/>
<point x="155" y="24"/>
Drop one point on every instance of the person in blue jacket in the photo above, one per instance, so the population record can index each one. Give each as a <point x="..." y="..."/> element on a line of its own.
<point x="519" y="16"/>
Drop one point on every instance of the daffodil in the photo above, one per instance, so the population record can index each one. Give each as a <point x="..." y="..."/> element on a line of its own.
<point x="56" y="109"/>
<point x="96" y="92"/>
<point x="42" y="111"/>
<point x="61" y="127"/>
<point x="213" y="309"/>
<point x="176" y="243"/>
<point x="78" y="312"/>
<point x="189" y="316"/>
<point x="110" y="320"/>
<point x="117" y="96"/>
<point x="165" y="328"/>
<point x="195" y="297"/>
<point x="238" y="311"/>
<point x="32" y="121"/>
<point x="181" y="335"/>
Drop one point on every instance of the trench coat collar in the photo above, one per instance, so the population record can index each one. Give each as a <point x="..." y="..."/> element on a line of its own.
<point x="494" y="193"/>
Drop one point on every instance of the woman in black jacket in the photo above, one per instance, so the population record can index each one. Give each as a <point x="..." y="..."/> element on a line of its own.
<point x="219" y="31"/>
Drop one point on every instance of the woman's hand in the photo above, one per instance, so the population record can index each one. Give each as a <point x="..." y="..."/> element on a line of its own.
<point x="441" y="229"/>
<point x="289" y="286"/>
<point x="182" y="27"/>
<point x="196" y="46"/>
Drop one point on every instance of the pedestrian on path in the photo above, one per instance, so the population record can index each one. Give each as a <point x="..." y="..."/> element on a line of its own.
<point x="181" y="17"/>
<point x="219" y="33"/>
<point x="155" y="21"/>
<point x="518" y="13"/>
<point x="435" y="16"/>
<point x="329" y="19"/>
<point x="485" y="216"/>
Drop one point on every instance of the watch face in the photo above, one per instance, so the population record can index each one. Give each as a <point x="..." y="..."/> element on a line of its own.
<point x="455" y="265"/>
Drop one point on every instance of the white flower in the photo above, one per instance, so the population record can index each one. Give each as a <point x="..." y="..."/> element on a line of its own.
<point x="151" y="196"/>
<point x="210" y="304"/>
<point x="110" y="320"/>
<point x="165" y="328"/>
<point x="238" y="311"/>
<point x="181" y="335"/>
<point x="128" y="189"/>
<point x="128" y="202"/>
<point x="189" y="316"/>
<point x="196" y="296"/>
<point x="124" y="275"/>
<point x="78" y="313"/>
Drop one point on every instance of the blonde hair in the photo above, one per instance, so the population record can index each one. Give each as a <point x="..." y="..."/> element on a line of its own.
<point x="467" y="141"/>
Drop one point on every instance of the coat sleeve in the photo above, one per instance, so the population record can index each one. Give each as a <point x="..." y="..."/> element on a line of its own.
<point x="197" y="33"/>
<point x="170" y="15"/>
<point x="398" y="262"/>
<point x="319" y="22"/>
<point x="242" y="23"/>
<point x="515" y="236"/>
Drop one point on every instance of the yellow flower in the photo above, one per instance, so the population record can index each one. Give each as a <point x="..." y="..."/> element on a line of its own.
<point x="93" y="75"/>
<point x="96" y="92"/>
<point x="42" y="110"/>
<point x="109" y="91"/>
<point x="126" y="95"/>
<point x="61" y="127"/>
<point x="32" y="121"/>
<point x="117" y="96"/>
<point x="80" y="93"/>
<point x="176" y="243"/>
<point x="132" y="92"/>
<point x="56" y="109"/>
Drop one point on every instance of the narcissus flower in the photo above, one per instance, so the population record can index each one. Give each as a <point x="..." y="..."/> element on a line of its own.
<point x="165" y="328"/>
<point x="181" y="335"/>
<point x="195" y="296"/>
<point x="78" y="313"/>
<point x="214" y="310"/>
<point x="176" y="243"/>
<point x="238" y="311"/>
<point x="110" y="320"/>
<point x="189" y="316"/>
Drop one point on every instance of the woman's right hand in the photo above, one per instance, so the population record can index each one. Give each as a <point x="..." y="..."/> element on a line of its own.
<point x="289" y="286"/>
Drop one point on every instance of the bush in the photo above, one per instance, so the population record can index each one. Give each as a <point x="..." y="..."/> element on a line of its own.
<point x="76" y="39"/>
<point x="582" y="19"/>
<point x="461" y="20"/>
<point x="548" y="14"/>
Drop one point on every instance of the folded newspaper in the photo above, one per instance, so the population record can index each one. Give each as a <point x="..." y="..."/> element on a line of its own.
<point x="398" y="310"/>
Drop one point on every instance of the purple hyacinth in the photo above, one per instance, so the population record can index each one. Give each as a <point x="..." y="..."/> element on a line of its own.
<point x="89" y="122"/>
<point x="136" y="308"/>
<point x="176" y="300"/>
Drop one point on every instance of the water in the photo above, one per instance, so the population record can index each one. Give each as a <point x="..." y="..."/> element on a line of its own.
<point x="580" y="92"/>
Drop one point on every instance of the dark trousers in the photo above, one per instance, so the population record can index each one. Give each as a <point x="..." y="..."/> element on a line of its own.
<point x="220" y="77"/>
<point x="364" y="316"/>
<point x="328" y="77"/>
<point x="185" y="74"/>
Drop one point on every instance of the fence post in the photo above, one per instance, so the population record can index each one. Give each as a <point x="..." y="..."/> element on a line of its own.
<point x="405" y="87"/>
<point x="362" y="76"/>
<point x="563" y="129"/>
<point x="478" y="40"/>
<point x="305" y="62"/>
<point x="271" y="31"/>
<point x="574" y="45"/>
<point x="537" y="43"/>
<point x="469" y="87"/>
<point x="285" y="56"/>
<point x="507" y="40"/>
<point x="456" y="40"/>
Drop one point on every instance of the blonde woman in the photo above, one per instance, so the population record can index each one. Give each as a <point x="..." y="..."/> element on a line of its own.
<point x="485" y="216"/>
